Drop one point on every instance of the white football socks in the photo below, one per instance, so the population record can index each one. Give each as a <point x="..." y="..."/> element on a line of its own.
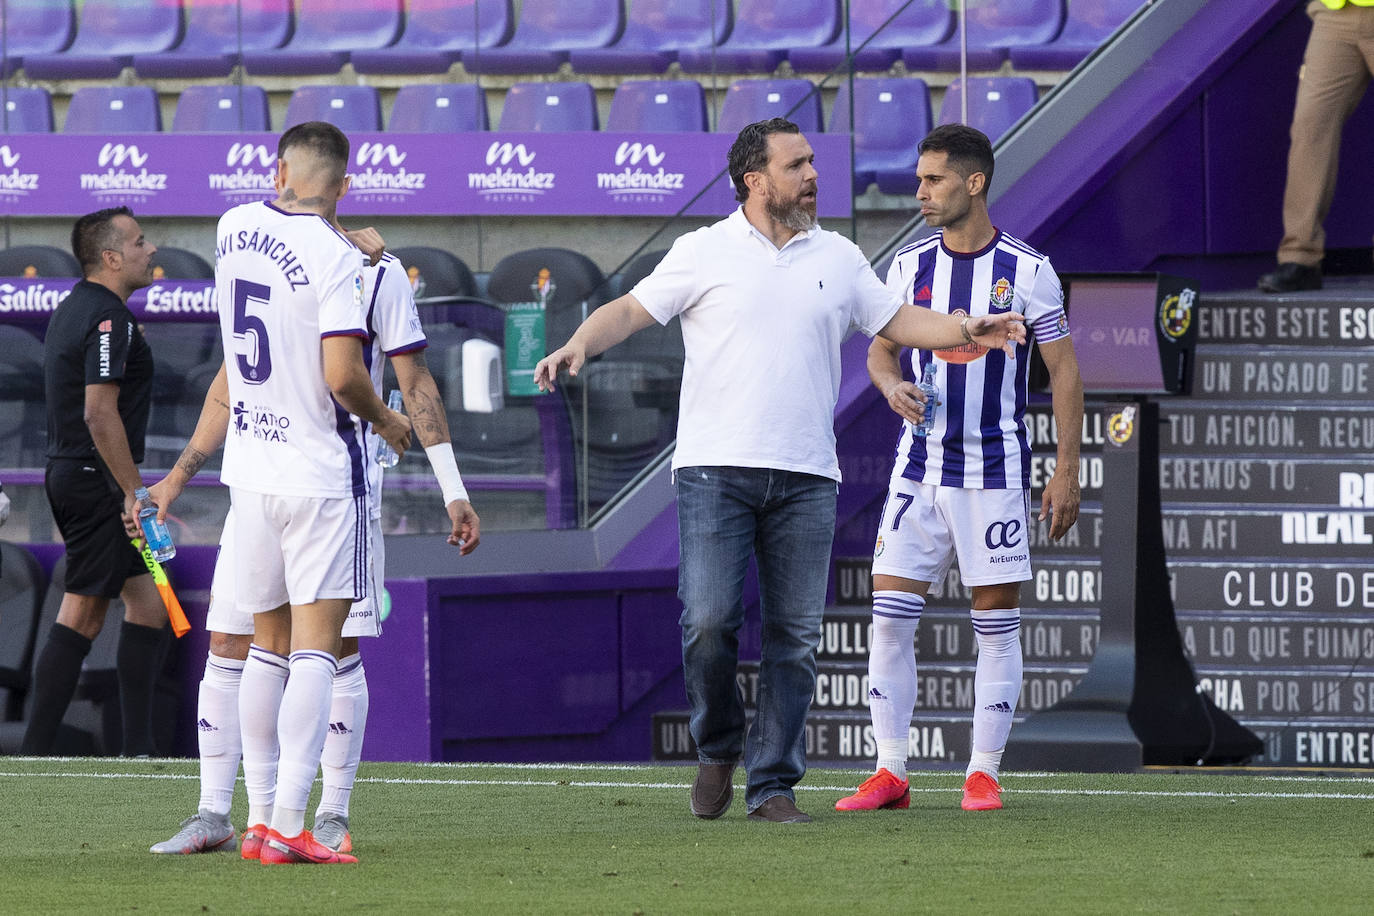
<point x="217" y="723"/>
<point x="996" y="686"/>
<point x="892" y="675"/>
<point x="343" y="746"/>
<point x="302" y="725"/>
<point x="260" y="694"/>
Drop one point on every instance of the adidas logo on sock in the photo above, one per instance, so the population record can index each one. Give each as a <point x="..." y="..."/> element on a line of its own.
<point x="206" y="725"/>
<point x="875" y="694"/>
<point x="999" y="706"/>
<point x="338" y="728"/>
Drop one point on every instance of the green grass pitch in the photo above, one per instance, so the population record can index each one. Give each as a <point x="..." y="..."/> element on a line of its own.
<point x="467" y="838"/>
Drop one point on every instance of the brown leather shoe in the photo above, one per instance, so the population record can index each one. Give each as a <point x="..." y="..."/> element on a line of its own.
<point x="780" y="810"/>
<point x="713" y="790"/>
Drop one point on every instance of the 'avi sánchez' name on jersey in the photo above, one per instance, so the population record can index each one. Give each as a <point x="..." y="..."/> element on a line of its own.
<point x="268" y="245"/>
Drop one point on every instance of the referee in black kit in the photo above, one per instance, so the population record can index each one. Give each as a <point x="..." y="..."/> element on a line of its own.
<point x="98" y="378"/>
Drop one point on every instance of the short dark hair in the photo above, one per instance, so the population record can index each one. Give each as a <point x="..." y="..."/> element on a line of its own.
<point x="322" y="139"/>
<point x="749" y="152"/>
<point x="967" y="149"/>
<point x="94" y="233"/>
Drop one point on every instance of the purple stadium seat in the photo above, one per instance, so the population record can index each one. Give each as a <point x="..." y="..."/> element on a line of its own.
<point x="765" y="30"/>
<point x="995" y="103"/>
<point x="994" y="27"/>
<point x="222" y="108"/>
<point x="658" y="106"/>
<point x="346" y="107"/>
<point x="110" y="33"/>
<point x="547" y="31"/>
<point x="920" y="23"/>
<point x="217" y="32"/>
<point x="26" y="111"/>
<point x="654" y="31"/>
<point x="326" y="31"/>
<point x="35" y="27"/>
<point x="747" y="101"/>
<point x="1090" y="23"/>
<point x="437" y="33"/>
<point x="550" y="106"/>
<point x="113" y="110"/>
<point x="439" y="108"/>
<point x="891" y="117"/>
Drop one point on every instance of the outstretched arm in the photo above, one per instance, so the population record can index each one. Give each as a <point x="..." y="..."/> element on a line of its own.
<point x="430" y="423"/>
<point x="923" y="329"/>
<point x="603" y="329"/>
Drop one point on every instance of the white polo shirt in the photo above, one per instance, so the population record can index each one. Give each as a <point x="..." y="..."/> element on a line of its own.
<point x="762" y="329"/>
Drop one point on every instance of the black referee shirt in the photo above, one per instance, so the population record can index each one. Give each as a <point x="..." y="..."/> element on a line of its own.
<point x="93" y="339"/>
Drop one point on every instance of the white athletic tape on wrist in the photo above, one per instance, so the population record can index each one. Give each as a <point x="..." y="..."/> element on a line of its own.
<point x="446" y="472"/>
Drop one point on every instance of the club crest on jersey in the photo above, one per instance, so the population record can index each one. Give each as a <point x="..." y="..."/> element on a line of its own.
<point x="964" y="353"/>
<point x="878" y="547"/>
<point x="1002" y="293"/>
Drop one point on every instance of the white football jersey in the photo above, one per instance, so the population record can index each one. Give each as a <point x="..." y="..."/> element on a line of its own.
<point x="979" y="440"/>
<point x="285" y="281"/>
<point x="393" y="327"/>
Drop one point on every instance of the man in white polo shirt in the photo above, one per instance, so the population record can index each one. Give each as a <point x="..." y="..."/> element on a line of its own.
<point x="765" y="297"/>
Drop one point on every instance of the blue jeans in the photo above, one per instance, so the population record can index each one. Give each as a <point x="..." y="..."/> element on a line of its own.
<point x="787" y="521"/>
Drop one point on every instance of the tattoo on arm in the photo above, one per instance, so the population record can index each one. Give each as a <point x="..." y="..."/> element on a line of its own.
<point x="427" y="415"/>
<point x="191" y="461"/>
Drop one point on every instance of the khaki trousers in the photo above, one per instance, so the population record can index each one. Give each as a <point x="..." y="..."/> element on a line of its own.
<point x="1336" y="69"/>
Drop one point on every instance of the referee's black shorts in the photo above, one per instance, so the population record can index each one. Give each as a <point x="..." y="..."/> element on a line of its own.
<point x="87" y="508"/>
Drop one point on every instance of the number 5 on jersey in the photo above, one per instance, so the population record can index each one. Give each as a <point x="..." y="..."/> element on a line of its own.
<point x="254" y="355"/>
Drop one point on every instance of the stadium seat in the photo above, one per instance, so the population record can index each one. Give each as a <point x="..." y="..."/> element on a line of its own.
<point x="222" y="108"/>
<point x="891" y="117"/>
<point x="27" y="110"/>
<point x="22" y="587"/>
<point x="326" y="31"/>
<point x="993" y="29"/>
<point x="72" y="741"/>
<point x="747" y="101"/>
<point x="631" y="416"/>
<point x="23" y="439"/>
<point x="550" y="107"/>
<point x="36" y="27"/>
<point x="658" y="106"/>
<point x="346" y="107"/>
<point x="439" y="32"/>
<point x="654" y="31"/>
<point x="1089" y="24"/>
<point x="765" y="30"/>
<point x="217" y="32"/>
<point x="109" y="34"/>
<point x="436" y="274"/>
<point x="38" y="261"/>
<point x="995" y="103"/>
<point x="575" y="276"/>
<point x="113" y="110"/>
<point x="917" y="23"/>
<point x="439" y="108"/>
<point x="546" y="31"/>
<point x="180" y="264"/>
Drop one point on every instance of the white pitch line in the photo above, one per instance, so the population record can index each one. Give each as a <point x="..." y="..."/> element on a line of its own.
<point x="601" y="784"/>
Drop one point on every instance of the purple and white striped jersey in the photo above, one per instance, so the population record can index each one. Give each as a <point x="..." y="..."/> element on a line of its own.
<point x="979" y="441"/>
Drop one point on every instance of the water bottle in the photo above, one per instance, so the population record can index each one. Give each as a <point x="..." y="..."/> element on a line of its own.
<point x="154" y="532"/>
<point x="386" y="455"/>
<point x="932" y="393"/>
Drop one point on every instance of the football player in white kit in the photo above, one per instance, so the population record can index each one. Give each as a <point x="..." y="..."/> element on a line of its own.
<point x="394" y="331"/>
<point x="963" y="490"/>
<point x="292" y="318"/>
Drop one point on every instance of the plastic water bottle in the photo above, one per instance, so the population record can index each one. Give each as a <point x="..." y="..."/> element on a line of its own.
<point x="386" y="455"/>
<point x="932" y="393"/>
<point x="154" y="532"/>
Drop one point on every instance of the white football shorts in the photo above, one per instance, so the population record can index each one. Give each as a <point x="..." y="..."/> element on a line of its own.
<point x="924" y="528"/>
<point x="224" y="616"/>
<point x="298" y="549"/>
